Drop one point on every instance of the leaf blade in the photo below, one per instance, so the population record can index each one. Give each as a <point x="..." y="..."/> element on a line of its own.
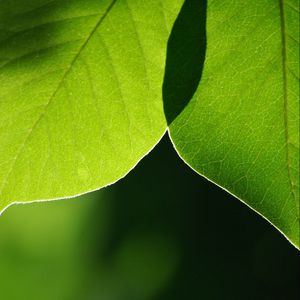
<point x="233" y="130"/>
<point x="81" y="96"/>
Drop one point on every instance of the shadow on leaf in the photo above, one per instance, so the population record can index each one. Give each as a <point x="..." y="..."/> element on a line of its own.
<point x="185" y="58"/>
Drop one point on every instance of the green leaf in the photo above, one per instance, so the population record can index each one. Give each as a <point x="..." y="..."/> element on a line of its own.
<point x="240" y="129"/>
<point x="80" y="94"/>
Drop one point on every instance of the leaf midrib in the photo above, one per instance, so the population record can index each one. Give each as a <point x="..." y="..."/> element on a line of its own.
<point x="285" y="95"/>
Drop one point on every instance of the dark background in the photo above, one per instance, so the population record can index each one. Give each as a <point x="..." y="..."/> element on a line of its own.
<point x="163" y="232"/>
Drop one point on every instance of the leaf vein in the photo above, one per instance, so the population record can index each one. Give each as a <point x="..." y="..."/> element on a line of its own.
<point x="38" y="120"/>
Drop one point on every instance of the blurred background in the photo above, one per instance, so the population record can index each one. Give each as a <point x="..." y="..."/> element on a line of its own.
<point x="163" y="232"/>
